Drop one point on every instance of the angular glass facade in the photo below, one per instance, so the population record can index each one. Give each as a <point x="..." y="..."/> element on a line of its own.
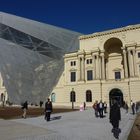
<point x="31" y="57"/>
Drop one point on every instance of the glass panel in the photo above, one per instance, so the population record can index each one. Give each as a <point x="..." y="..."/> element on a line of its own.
<point x="73" y="76"/>
<point x="117" y="75"/>
<point x="89" y="75"/>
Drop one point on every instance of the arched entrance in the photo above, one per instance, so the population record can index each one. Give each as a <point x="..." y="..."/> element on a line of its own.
<point x="117" y="95"/>
<point x="114" y="65"/>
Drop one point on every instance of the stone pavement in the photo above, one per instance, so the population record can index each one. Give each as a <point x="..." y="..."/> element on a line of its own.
<point x="65" y="126"/>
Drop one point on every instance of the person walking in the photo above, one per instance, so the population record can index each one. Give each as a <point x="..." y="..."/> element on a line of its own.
<point x="101" y="109"/>
<point x="126" y="107"/>
<point x="105" y="107"/>
<point x="40" y="103"/>
<point x="115" y="117"/>
<point x="133" y="107"/>
<point x="24" y="108"/>
<point x="48" y="109"/>
<point x="84" y="106"/>
<point x="95" y="107"/>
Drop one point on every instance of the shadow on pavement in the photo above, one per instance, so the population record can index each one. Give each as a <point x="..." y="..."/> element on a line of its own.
<point x="56" y="118"/>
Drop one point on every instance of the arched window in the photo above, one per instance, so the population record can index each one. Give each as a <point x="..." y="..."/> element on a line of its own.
<point x="72" y="96"/>
<point x="88" y="96"/>
<point x="53" y="97"/>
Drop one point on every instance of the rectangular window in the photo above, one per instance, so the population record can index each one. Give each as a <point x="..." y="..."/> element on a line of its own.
<point x="138" y="54"/>
<point x="74" y="62"/>
<point x="90" y="61"/>
<point x="73" y="76"/>
<point x="87" y="61"/>
<point x="89" y="75"/>
<point x="117" y="75"/>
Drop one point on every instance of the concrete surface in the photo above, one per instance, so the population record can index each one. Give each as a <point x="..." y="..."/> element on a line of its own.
<point x="65" y="126"/>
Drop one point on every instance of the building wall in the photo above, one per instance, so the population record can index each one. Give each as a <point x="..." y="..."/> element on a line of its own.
<point x="110" y="52"/>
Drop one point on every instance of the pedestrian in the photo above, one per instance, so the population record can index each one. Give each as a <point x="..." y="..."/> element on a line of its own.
<point x="133" y="107"/>
<point x="101" y="108"/>
<point x="105" y="107"/>
<point x="84" y="106"/>
<point x="48" y="109"/>
<point x="24" y="108"/>
<point x="115" y="117"/>
<point x="126" y="107"/>
<point x="95" y="107"/>
<point x="41" y="103"/>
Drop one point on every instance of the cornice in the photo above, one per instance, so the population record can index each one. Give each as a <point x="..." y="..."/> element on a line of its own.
<point x="70" y="55"/>
<point x="131" y="45"/>
<point x="113" y="31"/>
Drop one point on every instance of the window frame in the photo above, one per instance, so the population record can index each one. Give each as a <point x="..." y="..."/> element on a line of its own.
<point x="73" y="79"/>
<point x="89" y="75"/>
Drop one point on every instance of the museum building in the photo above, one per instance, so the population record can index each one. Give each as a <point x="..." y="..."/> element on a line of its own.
<point x="106" y="66"/>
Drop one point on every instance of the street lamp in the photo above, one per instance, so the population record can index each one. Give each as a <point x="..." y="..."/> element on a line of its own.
<point x="101" y="88"/>
<point x="129" y="91"/>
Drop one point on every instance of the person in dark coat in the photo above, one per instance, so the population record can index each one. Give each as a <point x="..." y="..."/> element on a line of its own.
<point x="95" y="107"/>
<point x="41" y="103"/>
<point x="101" y="108"/>
<point x="48" y="109"/>
<point x="133" y="107"/>
<point x="84" y="105"/>
<point x="24" y="108"/>
<point x="115" y="117"/>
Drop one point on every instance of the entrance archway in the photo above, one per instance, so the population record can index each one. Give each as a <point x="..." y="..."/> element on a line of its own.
<point x="114" y="55"/>
<point x="117" y="95"/>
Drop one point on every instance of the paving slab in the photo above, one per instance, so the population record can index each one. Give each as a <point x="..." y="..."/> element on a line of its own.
<point x="75" y="125"/>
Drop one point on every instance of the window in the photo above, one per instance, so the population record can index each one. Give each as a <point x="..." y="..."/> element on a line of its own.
<point x="72" y="96"/>
<point x="73" y="63"/>
<point x="89" y="61"/>
<point x="88" y="96"/>
<point x="89" y="75"/>
<point x="73" y="76"/>
<point x="138" y="54"/>
<point x="117" y="75"/>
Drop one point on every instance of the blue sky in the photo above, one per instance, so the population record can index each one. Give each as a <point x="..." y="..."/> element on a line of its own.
<point x="84" y="16"/>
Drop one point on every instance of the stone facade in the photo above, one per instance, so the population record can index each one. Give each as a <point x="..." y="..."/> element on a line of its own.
<point x="106" y="65"/>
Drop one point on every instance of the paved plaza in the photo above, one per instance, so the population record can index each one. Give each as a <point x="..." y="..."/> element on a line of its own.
<point x="75" y="125"/>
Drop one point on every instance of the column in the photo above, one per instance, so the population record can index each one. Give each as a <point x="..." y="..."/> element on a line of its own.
<point x="83" y="68"/>
<point x="79" y="70"/>
<point x="130" y="63"/>
<point x="100" y="68"/>
<point x="103" y="67"/>
<point x="125" y="64"/>
<point x="66" y="73"/>
<point x="135" y="65"/>
<point x="94" y="65"/>
<point x="97" y="66"/>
